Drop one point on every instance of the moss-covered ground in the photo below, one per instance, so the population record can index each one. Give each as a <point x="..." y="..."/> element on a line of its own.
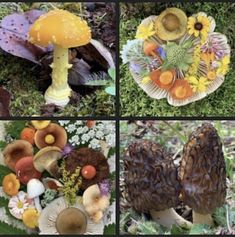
<point x="135" y="102"/>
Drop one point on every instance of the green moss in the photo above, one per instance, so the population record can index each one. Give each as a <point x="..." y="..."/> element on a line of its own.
<point x="135" y="102"/>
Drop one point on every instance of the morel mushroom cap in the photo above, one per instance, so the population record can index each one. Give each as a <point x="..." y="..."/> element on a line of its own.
<point x="84" y="157"/>
<point x="151" y="181"/>
<point x="202" y="171"/>
<point x="16" y="150"/>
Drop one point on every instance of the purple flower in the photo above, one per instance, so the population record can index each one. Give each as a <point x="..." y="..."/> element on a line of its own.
<point x="67" y="150"/>
<point x="161" y="52"/>
<point x="135" y="67"/>
<point x="104" y="187"/>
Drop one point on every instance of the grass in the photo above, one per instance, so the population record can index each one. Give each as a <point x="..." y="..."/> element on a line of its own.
<point x="135" y="102"/>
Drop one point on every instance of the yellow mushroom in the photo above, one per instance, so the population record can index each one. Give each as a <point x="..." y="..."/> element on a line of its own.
<point x="30" y="218"/>
<point x="11" y="184"/>
<point x="40" y="124"/>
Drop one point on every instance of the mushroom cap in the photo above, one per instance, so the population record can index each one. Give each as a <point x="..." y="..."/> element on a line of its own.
<point x="71" y="221"/>
<point x="48" y="218"/>
<point x="40" y="124"/>
<point x="11" y="184"/>
<point x="14" y="151"/>
<point x="25" y="170"/>
<point x="46" y="159"/>
<point x="87" y="156"/>
<point x="60" y="27"/>
<point x="35" y="188"/>
<point x="151" y="180"/>
<point x="202" y="171"/>
<point x="56" y="131"/>
<point x="171" y="24"/>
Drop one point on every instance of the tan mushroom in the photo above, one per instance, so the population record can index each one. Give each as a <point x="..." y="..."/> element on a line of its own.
<point x="58" y="218"/>
<point x="47" y="159"/>
<point x="52" y="135"/>
<point x="40" y="124"/>
<point x="16" y="150"/>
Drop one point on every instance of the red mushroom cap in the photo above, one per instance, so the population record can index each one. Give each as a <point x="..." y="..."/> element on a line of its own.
<point x="25" y="170"/>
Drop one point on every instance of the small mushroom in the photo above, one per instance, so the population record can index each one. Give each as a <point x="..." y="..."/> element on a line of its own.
<point x="40" y="124"/>
<point x="94" y="202"/>
<point x="25" y="170"/>
<point x="47" y="159"/>
<point x="52" y="135"/>
<point x="14" y="151"/>
<point x="19" y="203"/>
<point x="203" y="174"/>
<point x="30" y="218"/>
<point x="50" y="183"/>
<point x="58" y="218"/>
<point x="35" y="188"/>
<point x="66" y="30"/>
<point x="28" y="134"/>
<point x="11" y="184"/>
<point x="84" y="158"/>
<point x="151" y="182"/>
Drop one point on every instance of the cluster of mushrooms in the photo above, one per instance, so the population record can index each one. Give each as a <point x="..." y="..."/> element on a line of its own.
<point x="36" y="190"/>
<point x="154" y="184"/>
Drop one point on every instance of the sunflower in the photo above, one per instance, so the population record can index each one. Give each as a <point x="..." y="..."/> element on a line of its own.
<point x="144" y="32"/>
<point x="199" y="26"/>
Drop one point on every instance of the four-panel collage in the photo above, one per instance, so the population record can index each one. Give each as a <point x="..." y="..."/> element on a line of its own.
<point x="117" y="118"/>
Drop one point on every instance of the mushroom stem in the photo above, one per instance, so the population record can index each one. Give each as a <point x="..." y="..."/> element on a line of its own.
<point x="59" y="91"/>
<point x="202" y="219"/>
<point x="169" y="217"/>
<point x="37" y="204"/>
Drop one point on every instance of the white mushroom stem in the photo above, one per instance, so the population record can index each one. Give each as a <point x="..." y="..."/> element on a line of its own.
<point x="59" y="91"/>
<point x="37" y="204"/>
<point x="202" y="219"/>
<point x="169" y="217"/>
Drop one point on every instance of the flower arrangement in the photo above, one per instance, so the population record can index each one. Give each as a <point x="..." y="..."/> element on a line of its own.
<point x="178" y="57"/>
<point x="57" y="177"/>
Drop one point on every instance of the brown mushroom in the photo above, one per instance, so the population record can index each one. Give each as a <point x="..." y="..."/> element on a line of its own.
<point x="14" y="151"/>
<point x="52" y="135"/>
<point x="47" y="159"/>
<point x="84" y="157"/>
<point x="203" y="173"/>
<point x="151" y="182"/>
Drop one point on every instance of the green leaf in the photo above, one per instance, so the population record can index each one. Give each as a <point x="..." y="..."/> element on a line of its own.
<point x="10" y="230"/>
<point x="3" y="172"/>
<point x="110" y="229"/>
<point x="2" y="145"/>
<point x="97" y="83"/>
<point x="14" y="128"/>
<point x="149" y="228"/>
<point x="199" y="229"/>
<point x="112" y="73"/>
<point x="110" y="90"/>
<point x="4" y="203"/>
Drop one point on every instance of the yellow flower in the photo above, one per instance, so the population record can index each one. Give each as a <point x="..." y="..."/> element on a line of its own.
<point x="146" y="80"/>
<point x="198" y="85"/>
<point x="199" y="26"/>
<point x="224" y="66"/>
<point x="144" y="32"/>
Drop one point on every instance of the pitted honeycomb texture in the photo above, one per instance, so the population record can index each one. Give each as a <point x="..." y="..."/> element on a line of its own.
<point x="202" y="171"/>
<point x="150" y="175"/>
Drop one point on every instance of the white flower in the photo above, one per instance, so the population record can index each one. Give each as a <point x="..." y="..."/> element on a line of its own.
<point x="85" y="138"/>
<point x="112" y="163"/>
<point x="94" y="143"/>
<point x="63" y="122"/>
<point x="79" y="122"/>
<point x="110" y="139"/>
<point x="70" y="128"/>
<point x="91" y="133"/>
<point x="80" y="130"/>
<point x="99" y="134"/>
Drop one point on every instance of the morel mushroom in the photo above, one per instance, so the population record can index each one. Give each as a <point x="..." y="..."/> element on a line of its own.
<point x="203" y="174"/>
<point x="151" y="182"/>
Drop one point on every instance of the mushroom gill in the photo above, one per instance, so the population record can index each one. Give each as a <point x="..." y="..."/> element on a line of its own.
<point x="203" y="173"/>
<point x="151" y="182"/>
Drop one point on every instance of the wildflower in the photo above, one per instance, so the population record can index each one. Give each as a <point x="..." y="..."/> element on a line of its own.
<point x="146" y="80"/>
<point x="199" y="26"/>
<point x="144" y="32"/>
<point x="224" y="65"/>
<point x="198" y="85"/>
